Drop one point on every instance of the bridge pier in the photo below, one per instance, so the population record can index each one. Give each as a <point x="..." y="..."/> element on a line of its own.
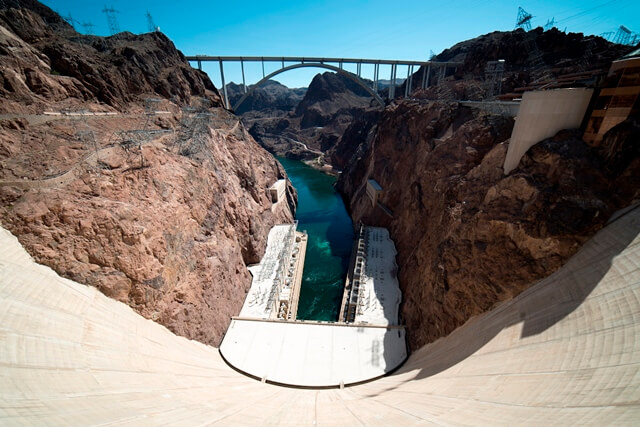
<point x="425" y="76"/>
<point x="224" y="86"/>
<point x="411" y="80"/>
<point x="392" y="87"/>
<point x="358" y="67"/>
<point x="199" y="65"/>
<point x="407" y="82"/>
<point x="263" y="68"/>
<point x="244" y="84"/>
<point x="376" y="72"/>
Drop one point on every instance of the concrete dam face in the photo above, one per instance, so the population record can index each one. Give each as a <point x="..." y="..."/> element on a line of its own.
<point x="566" y="351"/>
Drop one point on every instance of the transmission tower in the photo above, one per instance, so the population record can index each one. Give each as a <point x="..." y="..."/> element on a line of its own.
<point x="524" y="19"/>
<point x="623" y="35"/>
<point x="550" y="23"/>
<point x="112" y="22"/>
<point x="88" y="27"/>
<point x="607" y="35"/>
<point x="152" y="25"/>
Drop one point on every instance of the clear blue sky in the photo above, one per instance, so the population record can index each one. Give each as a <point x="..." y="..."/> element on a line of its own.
<point x="388" y="29"/>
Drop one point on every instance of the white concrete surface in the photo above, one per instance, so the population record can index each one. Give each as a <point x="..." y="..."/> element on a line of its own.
<point x="565" y="352"/>
<point x="373" y="190"/>
<point x="277" y="190"/>
<point x="312" y="354"/>
<point x="541" y="115"/>
<point x="378" y="295"/>
<point x="268" y="275"/>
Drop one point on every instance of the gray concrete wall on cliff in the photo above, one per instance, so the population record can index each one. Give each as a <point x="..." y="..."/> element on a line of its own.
<point x="541" y="115"/>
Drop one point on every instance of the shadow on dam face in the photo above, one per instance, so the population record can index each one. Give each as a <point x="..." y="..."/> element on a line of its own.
<point x="563" y="352"/>
<point x="538" y="308"/>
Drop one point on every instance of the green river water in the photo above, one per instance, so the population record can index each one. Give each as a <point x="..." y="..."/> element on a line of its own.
<point x="322" y="214"/>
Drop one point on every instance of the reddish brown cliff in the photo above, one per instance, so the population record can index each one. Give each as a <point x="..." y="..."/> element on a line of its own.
<point x="311" y="131"/>
<point x="162" y="214"/>
<point x="467" y="236"/>
<point x="46" y="64"/>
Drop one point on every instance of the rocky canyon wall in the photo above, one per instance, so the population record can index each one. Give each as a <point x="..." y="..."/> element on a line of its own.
<point x="46" y="63"/>
<point x="467" y="236"/>
<point x="161" y="211"/>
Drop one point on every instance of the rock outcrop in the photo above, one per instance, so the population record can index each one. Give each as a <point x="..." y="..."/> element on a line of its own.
<point x="162" y="211"/>
<point x="311" y="130"/>
<point x="528" y="56"/>
<point x="467" y="236"/>
<point x="46" y="63"/>
<point x="271" y="96"/>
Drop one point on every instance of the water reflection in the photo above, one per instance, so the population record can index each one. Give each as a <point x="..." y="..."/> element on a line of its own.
<point x="322" y="214"/>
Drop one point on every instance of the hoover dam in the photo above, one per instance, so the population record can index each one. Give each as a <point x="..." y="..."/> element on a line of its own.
<point x="470" y="257"/>
<point x="566" y="351"/>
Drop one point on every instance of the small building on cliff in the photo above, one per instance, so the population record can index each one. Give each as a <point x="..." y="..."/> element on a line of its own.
<point x="373" y="190"/>
<point x="277" y="190"/>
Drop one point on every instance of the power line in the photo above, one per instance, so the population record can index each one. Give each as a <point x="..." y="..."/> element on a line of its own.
<point x="584" y="12"/>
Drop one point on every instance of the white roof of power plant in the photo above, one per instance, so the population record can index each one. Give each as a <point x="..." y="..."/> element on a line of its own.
<point x="315" y="354"/>
<point x="564" y="352"/>
<point x="379" y="291"/>
<point x="261" y="295"/>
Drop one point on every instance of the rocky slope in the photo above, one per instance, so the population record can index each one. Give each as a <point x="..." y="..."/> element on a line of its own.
<point x="160" y="211"/>
<point x="467" y="236"/>
<point x="271" y="96"/>
<point x="45" y="63"/>
<point x="312" y="129"/>
<point x="528" y="56"/>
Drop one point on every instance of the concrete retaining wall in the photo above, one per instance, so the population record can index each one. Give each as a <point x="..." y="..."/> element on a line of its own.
<point x="541" y="115"/>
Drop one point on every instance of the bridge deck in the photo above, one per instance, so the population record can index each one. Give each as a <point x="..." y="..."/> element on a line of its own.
<point x="321" y="60"/>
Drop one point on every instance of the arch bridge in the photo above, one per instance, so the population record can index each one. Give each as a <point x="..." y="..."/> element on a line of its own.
<point x="337" y="65"/>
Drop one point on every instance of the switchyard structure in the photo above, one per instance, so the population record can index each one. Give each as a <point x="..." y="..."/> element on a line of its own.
<point x="337" y="65"/>
<point x="493" y="73"/>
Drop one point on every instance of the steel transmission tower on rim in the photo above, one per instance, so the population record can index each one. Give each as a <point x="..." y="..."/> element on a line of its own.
<point x="524" y="19"/>
<point x="112" y="22"/>
<point x="152" y="25"/>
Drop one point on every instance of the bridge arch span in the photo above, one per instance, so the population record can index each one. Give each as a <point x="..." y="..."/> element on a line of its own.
<point x="338" y="70"/>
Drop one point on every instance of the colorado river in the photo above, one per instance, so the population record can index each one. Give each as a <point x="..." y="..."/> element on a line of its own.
<point x="322" y="214"/>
